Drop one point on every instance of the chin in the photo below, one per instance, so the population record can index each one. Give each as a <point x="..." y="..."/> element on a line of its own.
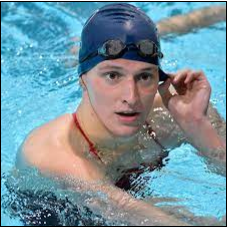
<point x="126" y="132"/>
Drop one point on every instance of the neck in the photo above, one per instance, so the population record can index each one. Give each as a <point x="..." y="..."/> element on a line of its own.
<point x="99" y="135"/>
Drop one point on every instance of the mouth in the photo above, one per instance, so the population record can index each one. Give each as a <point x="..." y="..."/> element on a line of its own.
<point x="128" y="114"/>
<point x="128" y="117"/>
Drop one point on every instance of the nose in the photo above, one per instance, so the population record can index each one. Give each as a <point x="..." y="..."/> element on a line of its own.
<point x="130" y="92"/>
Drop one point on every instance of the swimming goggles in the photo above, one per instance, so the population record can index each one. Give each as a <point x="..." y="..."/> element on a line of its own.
<point x="113" y="49"/>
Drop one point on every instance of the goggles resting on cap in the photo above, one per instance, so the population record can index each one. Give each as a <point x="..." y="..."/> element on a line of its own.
<point x="113" y="49"/>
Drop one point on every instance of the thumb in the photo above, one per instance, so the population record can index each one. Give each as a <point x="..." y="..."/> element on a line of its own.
<point x="164" y="92"/>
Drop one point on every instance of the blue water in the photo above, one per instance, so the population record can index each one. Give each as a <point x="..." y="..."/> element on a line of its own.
<point x="39" y="84"/>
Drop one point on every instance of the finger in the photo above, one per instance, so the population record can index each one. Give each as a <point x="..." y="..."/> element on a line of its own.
<point x="191" y="76"/>
<point x="164" y="88"/>
<point x="202" y="76"/>
<point x="178" y="81"/>
<point x="171" y="75"/>
<point x="199" y="78"/>
<point x="164" y="92"/>
<point x="181" y="75"/>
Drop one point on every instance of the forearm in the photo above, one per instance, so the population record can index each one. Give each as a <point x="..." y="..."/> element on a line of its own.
<point x="153" y="216"/>
<point x="197" y="19"/>
<point x="205" y="138"/>
<point x="122" y="206"/>
<point x="217" y="121"/>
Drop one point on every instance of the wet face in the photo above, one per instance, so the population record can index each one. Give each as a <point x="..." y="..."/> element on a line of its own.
<point x="121" y="93"/>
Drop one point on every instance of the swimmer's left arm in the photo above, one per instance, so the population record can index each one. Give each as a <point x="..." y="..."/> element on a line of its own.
<point x="167" y="129"/>
<point x="197" y="119"/>
<point x="205" y="138"/>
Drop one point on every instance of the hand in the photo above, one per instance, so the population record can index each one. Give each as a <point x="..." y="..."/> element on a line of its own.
<point x="192" y="98"/>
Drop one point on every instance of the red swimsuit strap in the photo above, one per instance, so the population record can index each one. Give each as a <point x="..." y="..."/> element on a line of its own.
<point x="91" y="145"/>
<point x="152" y="133"/>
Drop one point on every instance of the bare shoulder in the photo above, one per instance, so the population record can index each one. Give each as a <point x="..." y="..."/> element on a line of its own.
<point x="47" y="149"/>
<point x="43" y="142"/>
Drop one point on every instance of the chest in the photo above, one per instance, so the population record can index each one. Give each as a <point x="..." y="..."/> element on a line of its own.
<point x="148" y="155"/>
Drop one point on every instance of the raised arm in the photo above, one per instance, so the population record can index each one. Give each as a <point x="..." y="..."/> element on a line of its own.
<point x="189" y="107"/>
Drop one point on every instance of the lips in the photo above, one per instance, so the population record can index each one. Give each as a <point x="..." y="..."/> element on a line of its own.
<point x="128" y="114"/>
<point x="128" y="117"/>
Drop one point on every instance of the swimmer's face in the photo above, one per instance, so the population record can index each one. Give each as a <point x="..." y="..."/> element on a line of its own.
<point x="122" y="86"/>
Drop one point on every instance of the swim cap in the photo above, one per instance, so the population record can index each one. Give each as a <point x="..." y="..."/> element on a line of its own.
<point x="123" y="22"/>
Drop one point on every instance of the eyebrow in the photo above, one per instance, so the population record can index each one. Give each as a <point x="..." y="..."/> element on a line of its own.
<point x="149" y="68"/>
<point x="110" y="67"/>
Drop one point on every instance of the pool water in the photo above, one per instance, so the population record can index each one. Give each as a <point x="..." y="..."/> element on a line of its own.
<point x="38" y="83"/>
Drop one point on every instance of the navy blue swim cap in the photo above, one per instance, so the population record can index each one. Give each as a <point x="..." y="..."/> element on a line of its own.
<point x="119" y="21"/>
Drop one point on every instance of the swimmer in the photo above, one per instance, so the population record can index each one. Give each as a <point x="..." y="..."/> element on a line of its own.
<point x="200" y="18"/>
<point x="131" y="113"/>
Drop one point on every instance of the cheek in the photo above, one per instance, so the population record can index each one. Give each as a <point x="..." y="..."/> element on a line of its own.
<point x="147" y="97"/>
<point x="101" y="99"/>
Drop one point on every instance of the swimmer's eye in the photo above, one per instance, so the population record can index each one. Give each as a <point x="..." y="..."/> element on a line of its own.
<point x="145" y="77"/>
<point x="112" y="76"/>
